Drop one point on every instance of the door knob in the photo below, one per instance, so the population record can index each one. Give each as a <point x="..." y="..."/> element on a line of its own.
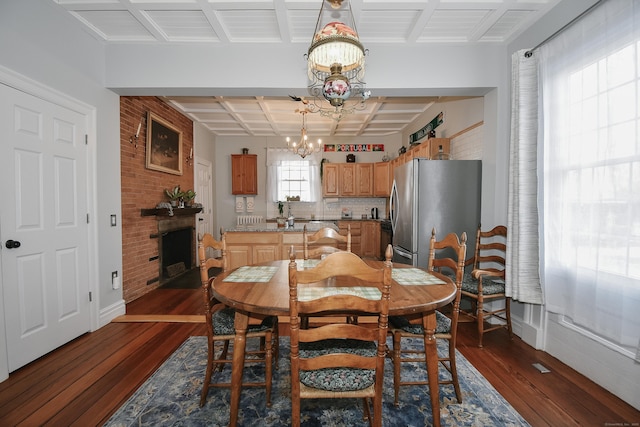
<point x="12" y="244"/>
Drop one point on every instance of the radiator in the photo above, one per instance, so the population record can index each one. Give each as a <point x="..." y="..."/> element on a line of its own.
<point x="249" y="219"/>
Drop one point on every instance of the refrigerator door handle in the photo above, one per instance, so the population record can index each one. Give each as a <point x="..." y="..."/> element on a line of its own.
<point x="393" y="204"/>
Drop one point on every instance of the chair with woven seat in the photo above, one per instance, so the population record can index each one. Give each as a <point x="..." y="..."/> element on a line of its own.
<point x="446" y="256"/>
<point x="339" y="360"/>
<point x="486" y="281"/>
<point x="220" y="324"/>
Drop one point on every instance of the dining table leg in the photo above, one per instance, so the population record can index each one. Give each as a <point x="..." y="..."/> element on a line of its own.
<point x="237" y="366"/>
<point x="431" y="353"/>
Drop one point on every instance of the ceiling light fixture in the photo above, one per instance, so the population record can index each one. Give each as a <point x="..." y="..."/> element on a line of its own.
<point x="303" y="147"/>
<point x="335" y="62"/>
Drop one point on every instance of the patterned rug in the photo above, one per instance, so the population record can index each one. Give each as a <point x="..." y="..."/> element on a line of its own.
<point x="171" y="397"/>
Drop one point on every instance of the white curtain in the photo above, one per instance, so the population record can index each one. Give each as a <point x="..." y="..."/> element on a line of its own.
<point x="522" y="271"/>
<point x="590" y="81"/>
<point x="275" y="157"/>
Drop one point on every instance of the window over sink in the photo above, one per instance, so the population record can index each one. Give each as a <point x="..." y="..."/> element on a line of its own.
<point x="289" y="175"/>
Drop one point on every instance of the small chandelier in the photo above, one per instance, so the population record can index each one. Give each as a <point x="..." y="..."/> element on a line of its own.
<point x="335" y="62"/>
<point x="303" y="147"/>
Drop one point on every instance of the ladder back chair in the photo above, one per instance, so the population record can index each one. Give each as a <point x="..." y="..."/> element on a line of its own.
<point x="321" y="243"/>
<point x="446" y="256"/>
<point x="220" y="324"/>
<point x="324" y="241"/>
<point x="486" y="281"/>
<point x="339" y="360"/>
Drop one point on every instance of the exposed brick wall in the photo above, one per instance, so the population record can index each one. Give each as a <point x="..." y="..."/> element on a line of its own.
<point x="143" y="188"/>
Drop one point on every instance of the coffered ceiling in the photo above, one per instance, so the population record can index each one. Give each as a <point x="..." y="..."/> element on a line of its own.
<point x="291" y="22"/>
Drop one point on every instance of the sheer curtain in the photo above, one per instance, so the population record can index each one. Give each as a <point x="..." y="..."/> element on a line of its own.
<point x="589" y="75"/>
<point x="523" y="253"/>
<point x="275" y="157"/>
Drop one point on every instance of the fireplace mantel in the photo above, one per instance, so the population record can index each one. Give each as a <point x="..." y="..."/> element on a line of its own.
<point x="165" y="212"/>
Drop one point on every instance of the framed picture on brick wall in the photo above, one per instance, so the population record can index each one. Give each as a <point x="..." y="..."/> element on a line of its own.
<point x="164" y="145"/>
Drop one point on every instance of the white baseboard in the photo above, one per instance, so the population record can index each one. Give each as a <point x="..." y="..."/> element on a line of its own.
<point x="109" y="313"/>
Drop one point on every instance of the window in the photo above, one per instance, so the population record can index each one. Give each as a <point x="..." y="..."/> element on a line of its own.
<point x="293" y="180"/>
<point x="289" y="175"/>
<point x="590" y="77"/>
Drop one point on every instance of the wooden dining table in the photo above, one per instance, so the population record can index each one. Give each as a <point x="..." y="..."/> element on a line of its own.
<point x="263" y="290"/>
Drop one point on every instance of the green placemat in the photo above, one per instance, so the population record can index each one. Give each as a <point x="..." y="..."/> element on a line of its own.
<point x="367" y="292"/>
<point x="307" y="263"/>
<point x="252" y="274"/>
<point x="414" y="276"/>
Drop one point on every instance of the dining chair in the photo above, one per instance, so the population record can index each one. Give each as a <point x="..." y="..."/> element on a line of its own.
<point x="324" y="241"/>
<point x="321" y="243"/>
<point x="339" y="360"/>
<point x="220" y="324"/>
<point x="486" y="281"/>
<point x="446" y="256"/>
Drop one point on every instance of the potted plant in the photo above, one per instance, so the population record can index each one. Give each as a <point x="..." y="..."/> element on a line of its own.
<point x="175" y="195"/>
<point x="189" y="195"/>
<point x="281" y="220"/>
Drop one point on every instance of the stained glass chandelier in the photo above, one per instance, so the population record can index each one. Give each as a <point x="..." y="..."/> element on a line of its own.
<point x="335" y="62"/>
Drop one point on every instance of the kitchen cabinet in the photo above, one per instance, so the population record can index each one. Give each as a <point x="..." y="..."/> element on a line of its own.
<point x="382" y="179"/>
<point x="330" y="181"/>
<point x="370" y="239"/>
<point x="364" y="179"/>
<point x="355" y="234"/>
<point x="252" y="248"/>
<point x="347" y="180"/>
<point x="434" y="147"/>
<point x="244" y="174"/>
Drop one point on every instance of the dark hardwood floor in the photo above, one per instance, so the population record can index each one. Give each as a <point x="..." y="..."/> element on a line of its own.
<point x="85" y="381"/>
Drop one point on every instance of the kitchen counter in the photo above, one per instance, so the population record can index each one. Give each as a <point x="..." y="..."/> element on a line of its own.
<point x="273" y="227"/>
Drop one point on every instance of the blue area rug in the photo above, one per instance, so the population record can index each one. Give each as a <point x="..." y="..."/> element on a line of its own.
<point x="171" y="397"/>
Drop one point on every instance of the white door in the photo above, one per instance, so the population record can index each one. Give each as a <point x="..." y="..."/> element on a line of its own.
<point x="204" y="195"/>
<point x="43" y="225"/>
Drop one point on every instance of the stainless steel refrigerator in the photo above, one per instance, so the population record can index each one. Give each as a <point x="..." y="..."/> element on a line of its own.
<point x="444" y="194"/>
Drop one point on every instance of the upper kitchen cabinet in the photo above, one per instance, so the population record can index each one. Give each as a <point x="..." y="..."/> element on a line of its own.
<point x="382" y="179"/>
<point x="330" y="181"/>
<point x="364" y="179"/>
<point x="347" y="180"/>
<point x="244" y="174"/>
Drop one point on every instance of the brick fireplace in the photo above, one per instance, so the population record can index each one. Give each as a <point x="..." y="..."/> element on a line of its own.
<point x="175" y="240"/>
<point x="143" y="189"/>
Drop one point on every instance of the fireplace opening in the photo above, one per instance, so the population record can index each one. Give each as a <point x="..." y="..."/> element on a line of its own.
<point x="175" y="253"/>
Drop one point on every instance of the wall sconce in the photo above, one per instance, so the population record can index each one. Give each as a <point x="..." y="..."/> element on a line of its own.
<point x="189" y="159"/>
<point x="133" y="139"/>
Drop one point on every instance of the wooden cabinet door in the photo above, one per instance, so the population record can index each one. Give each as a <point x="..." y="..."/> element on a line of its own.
<point x="381" y="179"/>
<point x="265" y="253"/>
<point x="370" y="239"/>
<point x="347" y="179"/>
<point x="422" y="151"/>
<point x="238" y="256"/>
<point x="330" y="181"/>
<point x="244" y="174"/>
<point x="364" y="179"/>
